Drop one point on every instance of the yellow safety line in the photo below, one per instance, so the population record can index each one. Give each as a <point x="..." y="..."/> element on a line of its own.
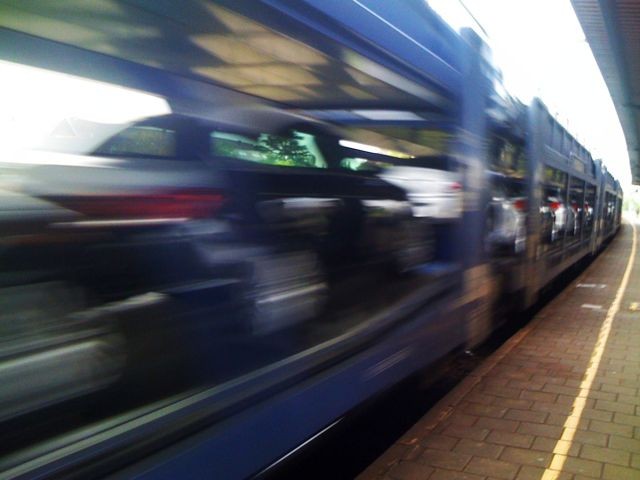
<point x="570" y="425"/>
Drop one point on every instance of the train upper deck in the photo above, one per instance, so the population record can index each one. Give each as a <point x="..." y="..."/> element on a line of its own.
<point x="302" y="48"/>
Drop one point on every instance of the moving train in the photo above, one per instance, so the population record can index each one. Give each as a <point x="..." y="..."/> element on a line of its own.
<point x="342" y="194"/>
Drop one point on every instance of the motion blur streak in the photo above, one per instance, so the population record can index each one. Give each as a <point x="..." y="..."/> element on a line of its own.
<point x="47" y="354"/>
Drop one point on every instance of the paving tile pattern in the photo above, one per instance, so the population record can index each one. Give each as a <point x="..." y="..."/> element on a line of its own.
<point x="505" y="420"/>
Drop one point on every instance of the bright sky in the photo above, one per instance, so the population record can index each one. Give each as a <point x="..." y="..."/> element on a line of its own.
<point x="541" y="49"/>
<point x="33" y="102"/>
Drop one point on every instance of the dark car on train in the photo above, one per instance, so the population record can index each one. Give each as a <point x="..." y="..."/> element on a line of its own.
<point x="247" y="222"/>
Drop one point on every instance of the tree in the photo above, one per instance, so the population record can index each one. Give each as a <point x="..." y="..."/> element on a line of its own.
<point x="286" y="151"/>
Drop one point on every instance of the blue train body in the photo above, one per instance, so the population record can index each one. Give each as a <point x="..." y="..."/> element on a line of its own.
<point x="239" y="428"/>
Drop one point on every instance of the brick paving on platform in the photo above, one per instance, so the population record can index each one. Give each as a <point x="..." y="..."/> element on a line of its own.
<point x="559" y="400"/>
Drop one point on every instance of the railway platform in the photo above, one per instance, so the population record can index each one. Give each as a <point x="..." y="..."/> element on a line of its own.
<point x="559" y="400"/>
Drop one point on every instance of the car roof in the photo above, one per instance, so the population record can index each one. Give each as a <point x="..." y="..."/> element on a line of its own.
<point x="249" y="119"/>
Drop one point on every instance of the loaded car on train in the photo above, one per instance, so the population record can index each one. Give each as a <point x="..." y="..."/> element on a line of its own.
<point x="259" y="227"/>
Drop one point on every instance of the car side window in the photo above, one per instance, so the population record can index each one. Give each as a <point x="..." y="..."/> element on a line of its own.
<point x="141" y="141"/>
<point x="298" y="149"/>
<point x="363" y="164"/>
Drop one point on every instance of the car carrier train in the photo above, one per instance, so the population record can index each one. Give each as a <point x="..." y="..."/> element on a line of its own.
<point x="342" y="194"/>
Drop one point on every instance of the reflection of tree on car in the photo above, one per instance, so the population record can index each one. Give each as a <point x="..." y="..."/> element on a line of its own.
<point x="287" y="151"/>
<point x="269" y="149"/>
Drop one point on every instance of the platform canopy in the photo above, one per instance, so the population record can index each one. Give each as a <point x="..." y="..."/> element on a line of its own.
<point x="612" y="28"/>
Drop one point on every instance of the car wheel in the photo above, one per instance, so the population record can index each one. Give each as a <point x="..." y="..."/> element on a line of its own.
<point x="282" y="290"/>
